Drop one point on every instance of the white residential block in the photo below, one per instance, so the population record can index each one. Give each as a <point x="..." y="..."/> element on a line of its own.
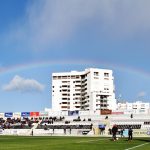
<point x="91" y="89"/>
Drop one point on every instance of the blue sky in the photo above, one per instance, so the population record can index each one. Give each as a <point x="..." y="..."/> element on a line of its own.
<point x="39" y="37"/>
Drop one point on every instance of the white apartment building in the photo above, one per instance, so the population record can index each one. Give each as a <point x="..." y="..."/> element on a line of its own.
<point x="137" y="107"/>
<point x="91" y="89"/>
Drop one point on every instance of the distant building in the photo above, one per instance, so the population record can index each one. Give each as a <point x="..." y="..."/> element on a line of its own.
<point x="91" y="89"/>
<point x="137" y="107"/>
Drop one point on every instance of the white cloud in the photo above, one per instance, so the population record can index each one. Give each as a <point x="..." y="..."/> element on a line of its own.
<point x="141" y="94"/>
<point x="23" y="85"/>
<point x="49" y="21"/>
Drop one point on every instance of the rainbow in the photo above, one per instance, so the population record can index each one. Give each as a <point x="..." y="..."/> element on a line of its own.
<point x="84" y="63"/>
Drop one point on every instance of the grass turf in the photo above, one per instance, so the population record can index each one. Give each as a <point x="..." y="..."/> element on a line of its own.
<point x="70" y="143"/>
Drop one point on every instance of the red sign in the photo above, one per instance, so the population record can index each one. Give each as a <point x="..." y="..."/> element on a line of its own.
<point x="34" y="114"/>
<point x="105" y="112"/>
<point x="117" y="113"/>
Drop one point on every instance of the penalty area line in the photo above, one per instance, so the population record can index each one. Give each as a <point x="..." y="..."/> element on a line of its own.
<point x="137" y="146"/>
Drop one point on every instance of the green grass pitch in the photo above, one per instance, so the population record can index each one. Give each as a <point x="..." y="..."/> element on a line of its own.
<point x="71" y="143"/>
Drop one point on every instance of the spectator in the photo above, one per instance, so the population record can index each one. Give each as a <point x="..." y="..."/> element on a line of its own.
<point x="109" y="131"/>
<point x="32" y="132"/>
<point x="45" y="127"/>
<point x="70" y="129"/>
<point x="64" y="130"/>
<point x="53" y="130"/>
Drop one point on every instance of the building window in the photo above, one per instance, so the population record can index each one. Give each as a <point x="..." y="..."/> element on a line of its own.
<point x="73" y="77"/>
<point x="106" y="74"/>
<point x="64" y="77"/>
<point x="106" y="78"/>
<point x="96" y="74"/>
<point x="64" y="107"/>
<point x="54" y="77"/>
<point x="77" y="77"/>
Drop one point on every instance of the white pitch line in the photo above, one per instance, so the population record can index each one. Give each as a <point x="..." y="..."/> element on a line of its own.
<point x="137" y="146"/>
<point x="90" y="141"/>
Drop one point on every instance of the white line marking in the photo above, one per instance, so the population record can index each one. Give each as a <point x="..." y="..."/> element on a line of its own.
<point x="90" y="141"/>
<point x="137" y="146"/>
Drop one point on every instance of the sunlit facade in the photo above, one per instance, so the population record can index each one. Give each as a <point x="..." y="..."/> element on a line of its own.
<point x="91" y="89"/>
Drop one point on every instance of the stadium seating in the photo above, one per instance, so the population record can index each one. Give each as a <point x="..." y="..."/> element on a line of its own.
<point x="72" y="125"/>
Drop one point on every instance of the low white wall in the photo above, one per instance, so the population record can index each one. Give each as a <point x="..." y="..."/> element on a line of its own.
<point x="15" y="131"/>
<point x="41" y="132"/>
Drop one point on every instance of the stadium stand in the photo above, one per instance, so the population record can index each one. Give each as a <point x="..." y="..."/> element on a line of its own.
<point x="72" y="125"/>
